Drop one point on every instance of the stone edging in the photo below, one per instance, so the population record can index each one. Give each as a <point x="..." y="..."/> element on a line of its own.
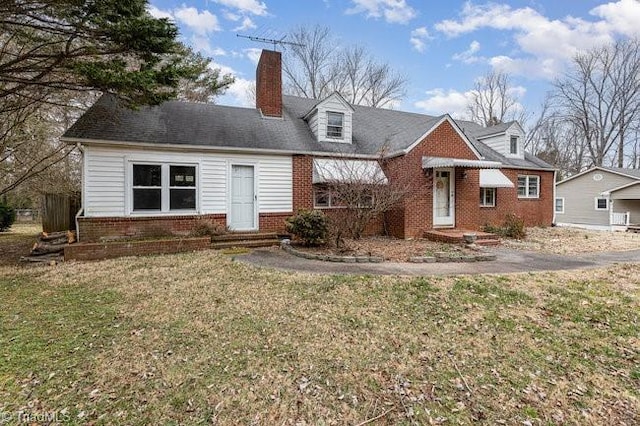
<point x="286" y="246"/>
<point x="439" y="257"/>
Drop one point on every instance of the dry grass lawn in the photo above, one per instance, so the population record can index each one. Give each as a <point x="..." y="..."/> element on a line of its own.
<point x="199" y="339"/>
<point x="573" y="241"/>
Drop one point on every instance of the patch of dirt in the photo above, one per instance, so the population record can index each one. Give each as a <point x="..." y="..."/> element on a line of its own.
<point x="17" y="242"/>
<point x="391" y="249"/>
<point x="572" y="240"/>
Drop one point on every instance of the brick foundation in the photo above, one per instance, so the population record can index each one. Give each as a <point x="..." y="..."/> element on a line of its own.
<point x="96" y="229"/>
<point x="96" y="251"/>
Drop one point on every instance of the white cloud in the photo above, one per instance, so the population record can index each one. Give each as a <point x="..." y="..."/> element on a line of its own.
<point x="199" y="22"/>
<point x="231" y="16"/>
<point x="393" y="11"/>
<point x="253" y="53"/>
<point x="242" y="93"/>
<point x="247" y="24"/>
<point x="159" y="13"/>
<point x="419" y="38"/>
<point x="623" y="15"/>
<point x="469" y="55"/>
<point x="456" y="103"/>
<point x="545" y="44"/>
<point x="247" y="6"/>
<point x="439" y="101"/>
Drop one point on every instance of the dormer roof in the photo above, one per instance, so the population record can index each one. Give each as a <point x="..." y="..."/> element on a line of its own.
<point x="335" y="95"/>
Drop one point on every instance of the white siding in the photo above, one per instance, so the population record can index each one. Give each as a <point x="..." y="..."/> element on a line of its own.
<point x="107" y="191"/>
<point x="502" y="142"/>
<point x="313" y="123"/>
<point x="333" y="104"/>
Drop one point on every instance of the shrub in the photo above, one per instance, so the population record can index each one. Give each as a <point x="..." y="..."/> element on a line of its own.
<point x="310" y="226"/>
<point x="7" y="216"/>
<point x="513" y="227"/>
<point x="203" y="228"/>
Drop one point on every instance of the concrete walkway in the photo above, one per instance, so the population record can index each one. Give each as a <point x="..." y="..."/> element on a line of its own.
<point x="509" y="260"/>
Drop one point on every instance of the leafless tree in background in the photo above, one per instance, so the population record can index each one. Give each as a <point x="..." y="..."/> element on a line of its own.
<point x="493" y="101"/>
<point x="600" y="98"/>
<point x="319" y="67"/>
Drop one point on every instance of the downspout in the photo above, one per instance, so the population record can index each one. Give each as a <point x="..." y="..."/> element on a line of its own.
<point x="553" y="223"/>
<point x="82" y="176"/>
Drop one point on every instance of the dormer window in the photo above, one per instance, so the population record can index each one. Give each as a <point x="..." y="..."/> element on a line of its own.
<point x="335" y="124"/>
<point x="513" y="145"/>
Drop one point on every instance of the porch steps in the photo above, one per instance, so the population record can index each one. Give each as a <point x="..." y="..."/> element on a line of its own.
<point x="455" y="236"/>
<point x="245" y="239"/>
<point x="634" y="229"/>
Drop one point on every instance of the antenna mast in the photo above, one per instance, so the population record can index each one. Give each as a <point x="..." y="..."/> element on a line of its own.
<point x="273" y="41"/>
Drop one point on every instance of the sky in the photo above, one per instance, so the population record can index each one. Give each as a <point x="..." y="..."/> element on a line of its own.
<point x="441" y="47"/>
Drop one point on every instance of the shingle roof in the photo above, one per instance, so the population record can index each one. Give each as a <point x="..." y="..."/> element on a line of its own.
<point x="628" y="172"/>
<point x="187" y="123"/>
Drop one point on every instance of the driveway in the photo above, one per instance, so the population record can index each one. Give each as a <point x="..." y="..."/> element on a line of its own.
<point x="508" y="260"/>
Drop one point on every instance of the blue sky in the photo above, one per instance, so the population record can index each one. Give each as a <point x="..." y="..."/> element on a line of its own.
<point x="442" y="47"/>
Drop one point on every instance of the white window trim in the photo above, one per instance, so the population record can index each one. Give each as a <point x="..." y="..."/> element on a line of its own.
<point x="165" y="191"/>
<point x="483" y="193"/>
<point x="529" y="177"/>
<point x="555" y="205"/>
<point x="340" y="138"/>
<point x="330" y="204"/>
<point x="595" y="203"/>
<point x="517" y="145"/>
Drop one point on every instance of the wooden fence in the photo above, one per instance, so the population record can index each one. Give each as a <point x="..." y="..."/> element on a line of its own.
<point x="59" y="211"/>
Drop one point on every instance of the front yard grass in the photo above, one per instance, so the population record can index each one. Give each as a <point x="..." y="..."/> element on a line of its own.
<point x="198" y="339"/>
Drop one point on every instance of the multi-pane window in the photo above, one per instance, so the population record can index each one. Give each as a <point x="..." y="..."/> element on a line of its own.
<point x="602" y="203"/>
<point x="487" y="197"/>
<point x="147" y="187"/>
<point x="335" y="124"/>
<point x="182" y="187"/>
<point x="560" y="205"/>
<point x="528" y="186"/>
<point x="513" y="145"/>
<point x="163" y="187"/>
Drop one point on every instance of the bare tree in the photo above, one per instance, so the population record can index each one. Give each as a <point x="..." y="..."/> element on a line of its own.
<point x="316" y="66"/>
<point x="362" y="192"/>
<point x="600" y="97"/>
<point x="493" y="100"/>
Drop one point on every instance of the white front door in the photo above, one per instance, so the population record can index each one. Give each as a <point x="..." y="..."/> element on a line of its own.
<point x="444" y="191"/>
<point x="243" y="198"/>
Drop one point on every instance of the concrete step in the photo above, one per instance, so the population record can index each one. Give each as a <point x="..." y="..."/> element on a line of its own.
<point x="245" y="243"/>
<point x="245" y="236"/>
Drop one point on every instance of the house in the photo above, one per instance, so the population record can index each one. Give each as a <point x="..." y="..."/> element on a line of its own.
<point x="162" y="168"/>
<point x="604" y="198"/>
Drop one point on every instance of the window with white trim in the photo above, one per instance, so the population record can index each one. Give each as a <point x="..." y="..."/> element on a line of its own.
<point x="335" y="125"/>
<point x="487" y="197"/>
<point x="559" y="205"/>
<point x="513" y="145"/>
<point x="528" y="186"/>
<point x="602" y="203"/>
<point x="163" y="187"/>
<point x="324" y="198"/>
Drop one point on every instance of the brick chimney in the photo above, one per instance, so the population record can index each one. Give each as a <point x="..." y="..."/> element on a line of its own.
<point x="269" y="84"/>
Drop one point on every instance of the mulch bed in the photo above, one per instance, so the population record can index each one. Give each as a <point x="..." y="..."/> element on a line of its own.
<point x="391" y="249"/>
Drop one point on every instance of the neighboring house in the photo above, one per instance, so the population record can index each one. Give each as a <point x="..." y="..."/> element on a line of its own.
<point x="604" y="198"/>
<point x="161" y="169"/>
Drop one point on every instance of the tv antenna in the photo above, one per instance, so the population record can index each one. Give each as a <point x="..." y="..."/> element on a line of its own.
<point x="273" y="41"/>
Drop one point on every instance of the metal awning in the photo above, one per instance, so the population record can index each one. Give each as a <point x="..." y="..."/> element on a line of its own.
<point x="327" y="170"/>
<point x="494" y="178"/>
<point x="437" y="162"/>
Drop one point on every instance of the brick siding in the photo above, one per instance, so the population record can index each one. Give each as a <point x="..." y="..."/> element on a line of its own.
<point x="95" y="229"/>
<point x="95" y="251"/>
<point x="269" y="84"/>
<point x="534" y="211"/>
